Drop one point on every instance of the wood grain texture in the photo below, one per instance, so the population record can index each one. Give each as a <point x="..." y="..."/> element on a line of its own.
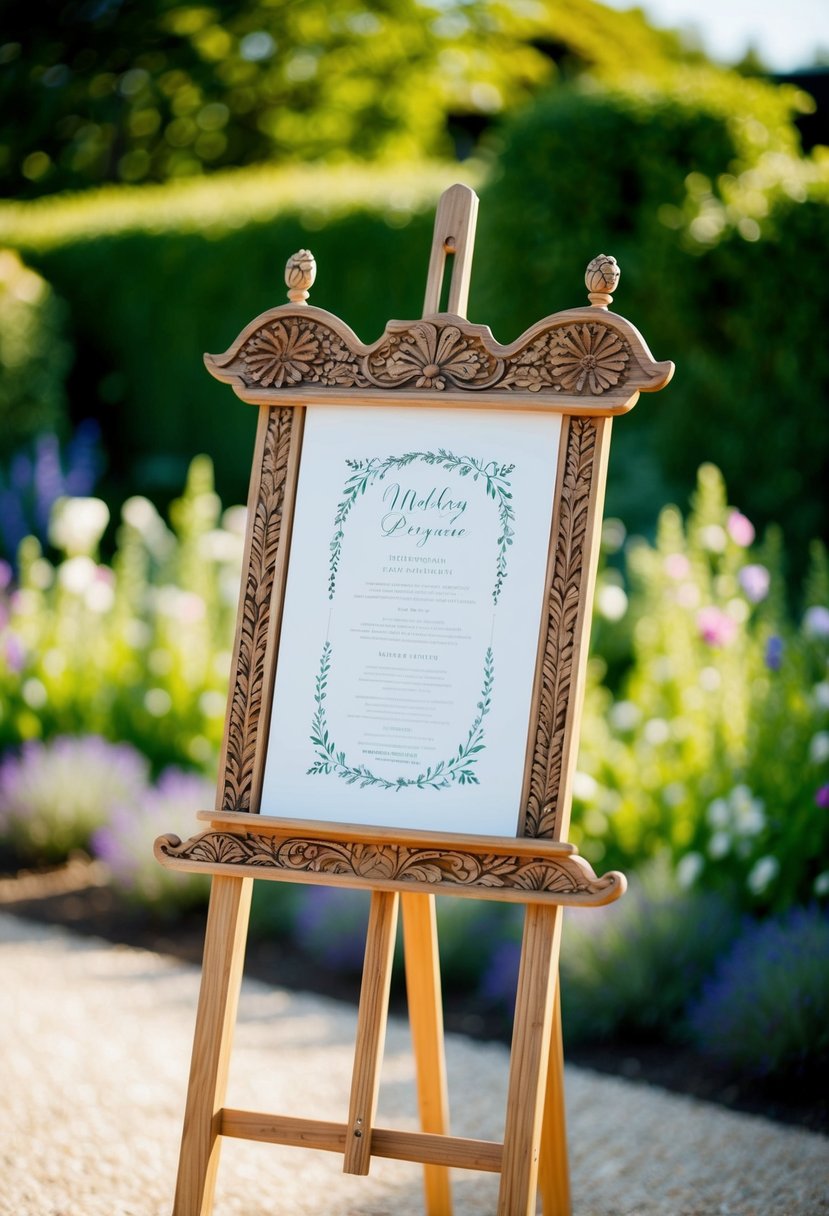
<point x="421" y="1147"/>
<point x="585" y="357"/>
<point x="423" y="989"/>
<point x="562" y="879"/>
<point x="249" y="672"/>
<point x="529" y="1059"/>
<point x="224" y="954"/>
<point x="553" y="1165"/>
<point x="372" y="1017"/>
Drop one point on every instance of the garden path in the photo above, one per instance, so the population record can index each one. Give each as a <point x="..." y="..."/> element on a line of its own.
<point x="94" y="1057"/>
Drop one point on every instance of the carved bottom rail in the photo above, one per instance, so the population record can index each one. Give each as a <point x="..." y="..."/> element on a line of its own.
<point x="521" y="870"/>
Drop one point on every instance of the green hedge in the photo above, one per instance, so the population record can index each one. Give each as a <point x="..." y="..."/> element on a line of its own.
<point x="700" y="192"/>
<point x="154" y="276"/>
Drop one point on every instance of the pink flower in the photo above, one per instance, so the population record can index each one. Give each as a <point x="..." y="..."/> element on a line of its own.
<point x="716" y="628"/>
<point x="677" y="565"/>
<point x="740" y="529"/>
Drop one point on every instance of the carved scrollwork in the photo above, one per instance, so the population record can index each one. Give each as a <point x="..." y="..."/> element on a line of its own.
<point x="566" y="876"/>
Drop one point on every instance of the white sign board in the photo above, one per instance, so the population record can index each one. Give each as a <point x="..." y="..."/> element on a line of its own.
<point x="411" y="619"/>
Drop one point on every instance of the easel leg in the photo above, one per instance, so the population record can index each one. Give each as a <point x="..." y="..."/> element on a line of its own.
<point x="554" y="1168"/>
<point x="420" y="951"/>
<point x="529" y="1060"/>
<point x="224" y="954"/>
<point x="371" y="1030"/>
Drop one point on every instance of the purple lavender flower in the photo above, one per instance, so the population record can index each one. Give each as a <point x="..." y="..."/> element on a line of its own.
<point x="755" y="581"/>
<point x="816" y="622"/>
<point x="125" y="841"/>
<point x="54" y="795"/>
<point x="822" y="797"/>
<point x="774" y="652"/>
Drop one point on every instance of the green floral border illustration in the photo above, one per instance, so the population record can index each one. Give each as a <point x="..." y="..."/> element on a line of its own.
<point x="458" y="768"/>
<point x="364" y="472"/>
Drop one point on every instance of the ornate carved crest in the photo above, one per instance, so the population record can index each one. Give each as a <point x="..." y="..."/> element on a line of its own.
<point x="583" y="359"/>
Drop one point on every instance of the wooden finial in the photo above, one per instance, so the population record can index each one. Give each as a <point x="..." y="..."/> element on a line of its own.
<point x="300" y="272"/>
<point x="600" y="279"/>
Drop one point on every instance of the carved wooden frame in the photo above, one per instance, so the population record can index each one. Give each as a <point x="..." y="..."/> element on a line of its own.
<point x="587" y="364"/>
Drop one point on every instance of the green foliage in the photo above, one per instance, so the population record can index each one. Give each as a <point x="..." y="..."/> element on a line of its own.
<point x="34" y="354"/>
<point x="629" y="970"/>
<point x="139" y="650"/>
<point x="715" y="743"/>
<point x="154" y="276"/>
<point x="694" y="182"/>
<point x="146" y="93"/>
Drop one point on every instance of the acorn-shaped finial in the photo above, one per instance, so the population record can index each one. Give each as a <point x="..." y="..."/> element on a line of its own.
<point x="601" y="278"/>
<point x="300" y="272"/>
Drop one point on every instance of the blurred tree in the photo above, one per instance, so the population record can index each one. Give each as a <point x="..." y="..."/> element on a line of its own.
<point x="115" y="90"/>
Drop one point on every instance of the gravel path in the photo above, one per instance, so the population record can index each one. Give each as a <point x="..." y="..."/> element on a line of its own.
<point x="94" y="1055"/>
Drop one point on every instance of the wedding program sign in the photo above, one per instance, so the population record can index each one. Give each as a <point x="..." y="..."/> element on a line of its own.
<point x="411" y="619"/>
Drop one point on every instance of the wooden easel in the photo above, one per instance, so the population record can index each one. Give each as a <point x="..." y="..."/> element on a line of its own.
<point x="537" y="868"/>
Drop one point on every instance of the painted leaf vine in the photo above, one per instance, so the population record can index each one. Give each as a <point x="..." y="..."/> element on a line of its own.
<point x="364" y="473"/>
<point x="458" y="769"/>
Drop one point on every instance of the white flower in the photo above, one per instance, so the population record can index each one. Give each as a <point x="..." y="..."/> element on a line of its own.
<point x="821" y="886"/>
<point x="709" y="679"/>
<point x="718" y="814"/>
<point x="819" y="747"/>
<point x="762" y="874"/>
<point x="157" y="701"/>
<point x="611" y="602"/>
<point x="656" y="731"/>
<point x="713" y="538"/>
<point x="76" y="525"/>
<point x="820" y="695"/>
<point x="816" y="622"/>
<point x="77" y="574"/>
<point x="585" y="787"/>
<point x="719" y="845"/>
<point x="689" y="869"/>
<point x="624" y="715"/>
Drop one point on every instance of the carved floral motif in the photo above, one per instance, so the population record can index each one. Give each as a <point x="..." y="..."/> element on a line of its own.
<point x="590" y="357"/>
<point x="582" y="359"/>
<point x="431" y="356"/>
<point x="566" y="876"/>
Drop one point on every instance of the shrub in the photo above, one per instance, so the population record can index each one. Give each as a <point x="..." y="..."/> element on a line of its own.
<point x="55" y="795"/>
<point x="330" y="926"/>
<point x="715" y="741"/>
<point x="125" y="842"/>
<point x="155" y="275"/>
<point x="629" y="970"/>
<point x="766" y="1008"/>
<point x="34" y="354"/>
<point x="695" y="183"/>
<point x="137" y="650"/>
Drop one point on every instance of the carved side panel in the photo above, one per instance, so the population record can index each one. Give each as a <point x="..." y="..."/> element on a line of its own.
<point x="558" y="659"/>
<point x="245" y="707"/>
